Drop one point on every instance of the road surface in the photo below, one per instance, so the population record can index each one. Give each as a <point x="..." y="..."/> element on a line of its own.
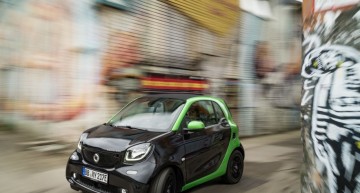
<point x="272" y="165"/>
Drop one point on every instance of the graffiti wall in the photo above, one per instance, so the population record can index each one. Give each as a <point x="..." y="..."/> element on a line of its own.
<point x="68" y="65"/>
<point x="330" y="99"/>
<point x="43" y="59"/>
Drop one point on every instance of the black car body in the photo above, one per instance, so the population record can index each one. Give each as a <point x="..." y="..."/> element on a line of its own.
<point x="128" y="159"/>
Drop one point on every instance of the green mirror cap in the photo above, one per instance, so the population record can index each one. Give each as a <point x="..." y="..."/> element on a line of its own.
<point x="196" y="125"/>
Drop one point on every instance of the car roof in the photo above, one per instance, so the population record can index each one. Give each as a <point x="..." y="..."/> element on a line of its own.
<point x="174" y="96"/>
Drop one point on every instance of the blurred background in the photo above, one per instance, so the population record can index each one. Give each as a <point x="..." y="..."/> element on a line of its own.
<point x="68" y="65"/>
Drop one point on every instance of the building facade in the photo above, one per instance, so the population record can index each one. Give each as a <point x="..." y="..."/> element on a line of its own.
<point x="68" y="65"/>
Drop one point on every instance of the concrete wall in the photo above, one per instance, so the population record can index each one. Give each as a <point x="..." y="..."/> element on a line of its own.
<point x="269" y="67"/>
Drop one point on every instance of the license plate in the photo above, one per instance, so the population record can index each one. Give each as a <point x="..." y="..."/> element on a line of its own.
<point x="95" y="175"/>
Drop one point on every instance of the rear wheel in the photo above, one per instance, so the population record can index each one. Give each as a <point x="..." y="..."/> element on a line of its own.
<point x="235" y="168"/>
<point x="165" y="182"/>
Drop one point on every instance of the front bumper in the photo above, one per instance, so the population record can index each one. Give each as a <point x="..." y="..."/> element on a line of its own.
<point x="118" y="181"/>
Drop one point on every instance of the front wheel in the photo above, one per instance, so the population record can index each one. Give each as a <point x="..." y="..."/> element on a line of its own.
<point x="235" y="168"/>
<point x="165" y="182"/>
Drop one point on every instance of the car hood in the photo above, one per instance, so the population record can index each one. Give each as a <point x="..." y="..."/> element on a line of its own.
<point x="116" y="139"/>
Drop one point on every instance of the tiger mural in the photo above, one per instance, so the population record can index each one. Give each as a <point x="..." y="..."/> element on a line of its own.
<point x="335" y="119"/>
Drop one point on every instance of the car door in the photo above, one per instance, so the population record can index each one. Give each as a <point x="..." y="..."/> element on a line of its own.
<point x="204" y="149"/>
<point x="221" y="133"/>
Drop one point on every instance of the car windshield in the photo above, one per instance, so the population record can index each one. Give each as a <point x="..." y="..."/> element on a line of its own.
<point x="149" y="113"/>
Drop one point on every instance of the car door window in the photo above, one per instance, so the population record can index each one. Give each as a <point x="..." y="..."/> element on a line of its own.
<point x="218" y="111"/>
<point x="201" y="111"/>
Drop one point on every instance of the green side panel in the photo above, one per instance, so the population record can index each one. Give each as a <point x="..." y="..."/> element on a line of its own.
<point x="233" y="144"/>
<point x="177" y="123"/>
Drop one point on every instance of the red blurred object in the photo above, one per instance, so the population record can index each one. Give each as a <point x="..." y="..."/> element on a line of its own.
<point x="178" y="84"/>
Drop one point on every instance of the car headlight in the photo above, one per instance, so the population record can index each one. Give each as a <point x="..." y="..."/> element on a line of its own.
<point x="137" y="152"/>
<point x="82" y="137"/>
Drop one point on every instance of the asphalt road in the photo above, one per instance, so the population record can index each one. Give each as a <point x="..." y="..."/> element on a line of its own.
<point x="272" y="165"/>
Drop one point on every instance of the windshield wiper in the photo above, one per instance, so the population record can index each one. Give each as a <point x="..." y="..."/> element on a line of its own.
<point x="129" y="127"/>
<point x="110" y="124"/>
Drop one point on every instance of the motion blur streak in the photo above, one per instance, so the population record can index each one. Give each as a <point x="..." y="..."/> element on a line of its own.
<point x="68" y="65"/>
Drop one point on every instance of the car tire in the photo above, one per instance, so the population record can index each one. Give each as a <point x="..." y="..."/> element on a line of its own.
<point x="164" y="182"/>
<point x="235" y="168"/>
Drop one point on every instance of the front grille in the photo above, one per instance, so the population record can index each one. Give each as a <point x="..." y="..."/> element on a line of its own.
<point x="106" y="158"/>
<point x="96" y="186"/>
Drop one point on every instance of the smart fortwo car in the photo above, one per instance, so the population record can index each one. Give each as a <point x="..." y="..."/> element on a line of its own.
<point x="159" y="144"/>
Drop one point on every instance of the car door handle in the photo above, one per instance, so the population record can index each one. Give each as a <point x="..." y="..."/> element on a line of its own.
<point x="224" y="122"/>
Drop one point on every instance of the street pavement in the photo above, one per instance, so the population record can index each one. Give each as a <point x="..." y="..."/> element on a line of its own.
<point x="272" y="165"/>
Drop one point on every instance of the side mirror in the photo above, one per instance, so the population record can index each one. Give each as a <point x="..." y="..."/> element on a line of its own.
<point x="195" y="126"/>
<point x="224" y="122"/>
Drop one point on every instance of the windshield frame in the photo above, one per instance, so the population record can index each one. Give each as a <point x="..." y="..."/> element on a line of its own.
<point x="170" y="126"/>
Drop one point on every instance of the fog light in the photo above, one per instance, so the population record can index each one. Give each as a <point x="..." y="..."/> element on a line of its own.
<point x="74" y="175"/>
<point x="124" y="191"/>
<point x="74" y="156"/>
<point x="70" y="181"/>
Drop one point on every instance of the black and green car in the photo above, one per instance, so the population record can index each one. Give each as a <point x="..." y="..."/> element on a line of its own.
<point x="164" y="143"/>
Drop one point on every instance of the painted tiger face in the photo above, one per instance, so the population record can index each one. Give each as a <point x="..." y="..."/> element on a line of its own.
<point x="345" y="89"/>
<point x="338" y="70"/>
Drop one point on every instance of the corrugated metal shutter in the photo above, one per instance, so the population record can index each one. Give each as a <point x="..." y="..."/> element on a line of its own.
<point x="170" y="43"/>
<point x="168" y="37"/>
